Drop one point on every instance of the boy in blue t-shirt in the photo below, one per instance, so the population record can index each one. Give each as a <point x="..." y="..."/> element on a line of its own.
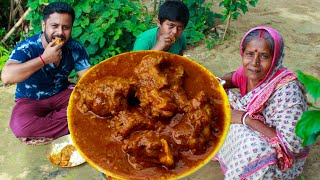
<point x="41" y="67"/>
<point x="173" y="17"/>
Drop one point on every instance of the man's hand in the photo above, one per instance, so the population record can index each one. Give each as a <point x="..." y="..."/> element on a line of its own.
<point x="52" y="53"/>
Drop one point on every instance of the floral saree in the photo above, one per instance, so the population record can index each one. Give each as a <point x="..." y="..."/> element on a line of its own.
<point x="279" y="101"/>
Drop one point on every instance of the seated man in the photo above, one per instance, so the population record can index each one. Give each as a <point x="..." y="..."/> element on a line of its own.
<point x="40" y="65"/>
<point x="173" y="17"/>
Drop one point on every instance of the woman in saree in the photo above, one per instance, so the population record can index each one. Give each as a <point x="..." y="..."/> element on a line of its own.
<point x="262" y="143"/>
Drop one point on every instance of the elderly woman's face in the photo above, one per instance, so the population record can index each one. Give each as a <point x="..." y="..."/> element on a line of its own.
<point x="257" y="59"/>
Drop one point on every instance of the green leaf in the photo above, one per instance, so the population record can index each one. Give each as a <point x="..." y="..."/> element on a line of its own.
<point x="98" y="33"/>
<point x="102" y="42"/>
<point x="105" y="26"/>
<point x="225" y="12"/>
<point x="77" y="22"/>
<point x="308" y="127"/>
<point x="235" y="15"/>
<point x="84" y="38"/>
<point x="33" y="4"/>
<point x="78" y="11"/>
<point x="106" y="14"/>
<point x="142" y="27"/>
<point x="232" y="7"/>
<point x="118" y="50"/>
<point x="252" y="3"/>
<point x="115" y="13"/>
<point x="116" y="5"/>
<point x="117" y="34"/>
<point x="93" y="39"/>
<point x="92" y="49"/>
<point x="85" y="22"/>
<point x="244" y="8"/>
<point x="137" y="33"/>
<point x="311" y="83"/>
<point x="76" y="31"/>
<point x="86" y="7"/>
<point x="127" y="24"/>
<point x="111" y="48"/>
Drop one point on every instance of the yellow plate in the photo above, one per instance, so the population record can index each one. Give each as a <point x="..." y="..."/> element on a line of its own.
<point x="93" y="141"/>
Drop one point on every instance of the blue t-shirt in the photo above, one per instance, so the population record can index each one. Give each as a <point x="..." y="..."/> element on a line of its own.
<point x="49" y="80"/>
<point x="148" y="39"/>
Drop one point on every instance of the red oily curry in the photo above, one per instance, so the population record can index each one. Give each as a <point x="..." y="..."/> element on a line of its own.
<point x="148" y="115"/>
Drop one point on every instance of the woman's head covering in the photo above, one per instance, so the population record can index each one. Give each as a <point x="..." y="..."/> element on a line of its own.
<point x="276" y="43"/>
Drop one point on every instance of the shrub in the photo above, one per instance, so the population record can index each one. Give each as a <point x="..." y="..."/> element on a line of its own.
<point x="308" y="127"/>
<point x="104" y="28"/>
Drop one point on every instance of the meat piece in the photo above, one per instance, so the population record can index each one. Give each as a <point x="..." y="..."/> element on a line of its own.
<point x="106" y="96"/>
<point x="148" y="73"/>
<point x="154" y="87"/>
<point x="147" y="149"/>
<point x="193" y="130"/>
<point x="181" y="99"/>
<point x="157" y="103"/>
<point x="127" y="122"/>
<point x="174" y="75"/>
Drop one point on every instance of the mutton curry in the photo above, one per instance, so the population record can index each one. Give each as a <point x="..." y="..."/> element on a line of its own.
<point x="148" y="115"/>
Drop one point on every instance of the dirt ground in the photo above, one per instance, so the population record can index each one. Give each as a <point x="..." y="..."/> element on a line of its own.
<point x="299" y="23"/>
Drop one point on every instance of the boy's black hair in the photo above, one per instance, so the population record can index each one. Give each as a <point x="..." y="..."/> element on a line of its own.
<point x="58" y="7"/>
<point x="174" y="11"/>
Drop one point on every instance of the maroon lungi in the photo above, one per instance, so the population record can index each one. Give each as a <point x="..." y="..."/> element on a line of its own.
<point x="41" y="118"/>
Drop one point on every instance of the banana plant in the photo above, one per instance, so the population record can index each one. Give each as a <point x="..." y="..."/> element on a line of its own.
<point x="308" y="127"/>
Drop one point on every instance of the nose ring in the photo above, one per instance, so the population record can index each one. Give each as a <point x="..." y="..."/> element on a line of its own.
<point x="257" y="63"/>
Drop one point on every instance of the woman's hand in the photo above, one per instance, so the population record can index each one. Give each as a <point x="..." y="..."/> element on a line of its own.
<point x="228" y="80"/>
<point x="236" y="116"/>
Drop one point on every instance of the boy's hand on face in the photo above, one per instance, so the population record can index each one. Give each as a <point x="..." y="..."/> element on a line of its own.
<point x="52" y="53"/>
<point x="164" y="42"/>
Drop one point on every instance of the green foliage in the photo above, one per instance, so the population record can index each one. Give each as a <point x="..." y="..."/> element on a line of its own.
<point x="4" y="51"/>
<point x="308" y="127"/>
<point x="109" y="28"/>
<point x="104" y="28"/>
<point x="311" y="83"/>
<point x="200" y="21"/>
<point x="4" y="54"/>
<point x="233" y="8"/>
<point x="212" y="40"/>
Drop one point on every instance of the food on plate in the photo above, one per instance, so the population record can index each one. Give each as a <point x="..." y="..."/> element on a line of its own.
<point x="65" y="155"/>
<point x="148" y="113"/>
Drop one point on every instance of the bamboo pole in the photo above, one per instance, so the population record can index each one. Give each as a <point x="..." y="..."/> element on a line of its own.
<point x="23" y="17"/>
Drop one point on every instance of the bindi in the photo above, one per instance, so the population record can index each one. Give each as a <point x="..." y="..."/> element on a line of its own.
<point x="256" y="50"/>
